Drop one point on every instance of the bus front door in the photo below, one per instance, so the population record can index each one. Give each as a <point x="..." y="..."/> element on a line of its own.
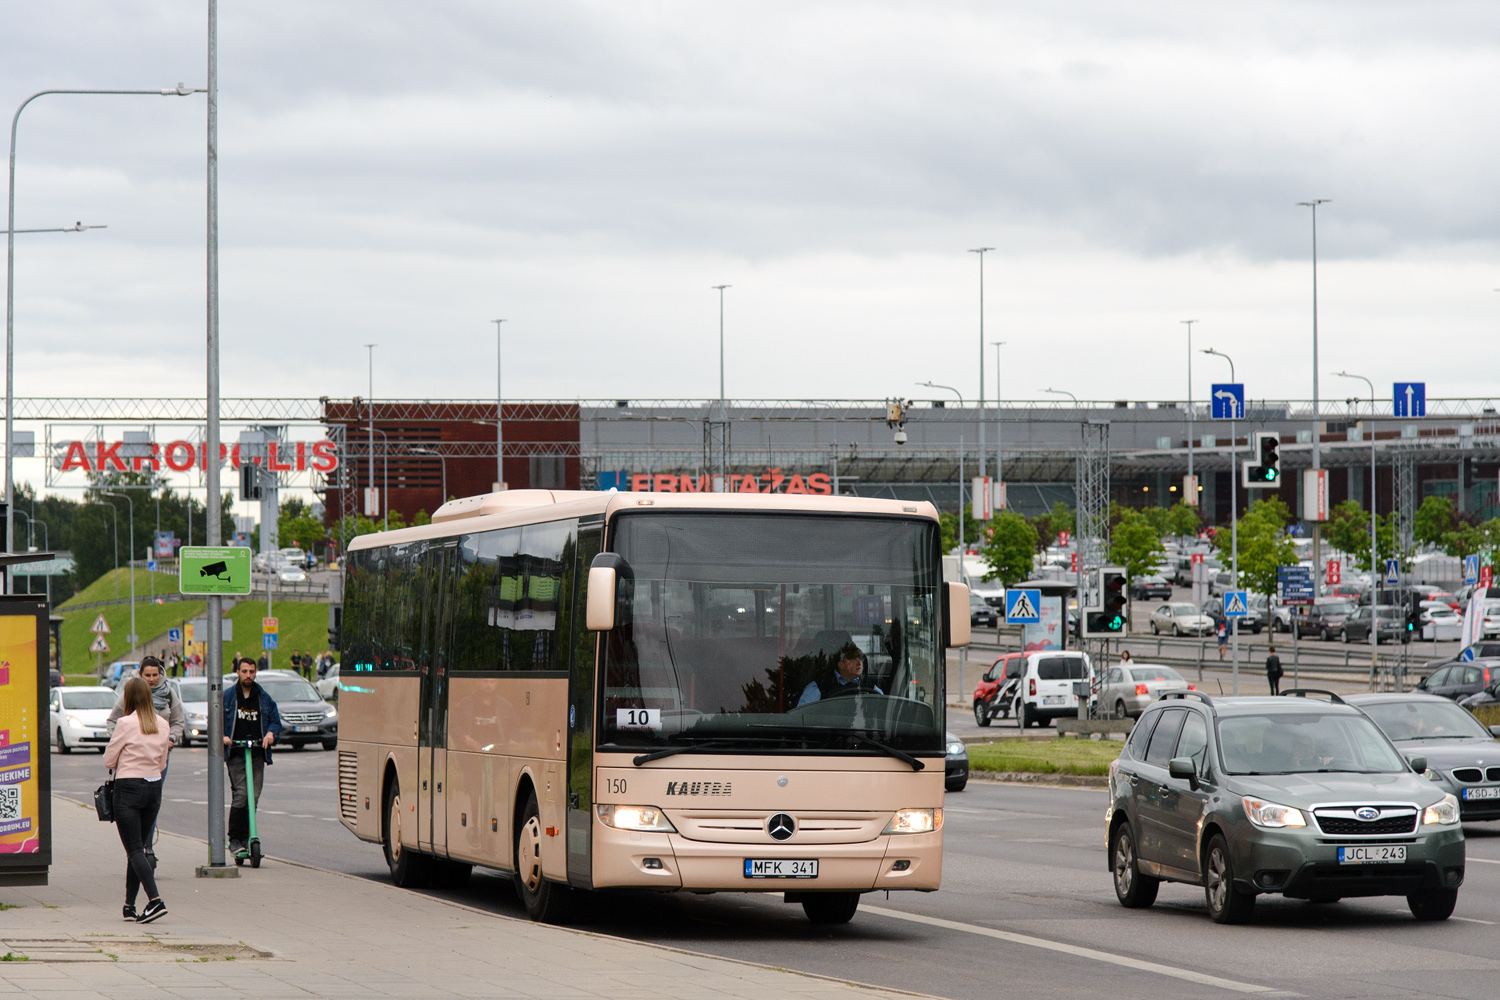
<point x="432" y="728"/>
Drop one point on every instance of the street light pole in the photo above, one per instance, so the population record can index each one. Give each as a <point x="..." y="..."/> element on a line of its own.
<point x="980" y="252"/>
<point x="499" y="414"/>
<point x="1317" y="431"/>
<point x="370" y="412"/>
<point x="10" y="285"/>
<point x="1234" y="526"/>
<point x="723" y="477"/>
<point x="961" y="571"/>
<point x="129" y="563"/>
<point x="1374" y="580"/>
<point x="443" y="459"/>
<point x="1192" y="501"/>
<point x="1063" y="392"/>
<point x="999" y="426"/>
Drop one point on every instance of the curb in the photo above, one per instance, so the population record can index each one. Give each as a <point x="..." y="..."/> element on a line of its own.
<point x="1036" y="778"/>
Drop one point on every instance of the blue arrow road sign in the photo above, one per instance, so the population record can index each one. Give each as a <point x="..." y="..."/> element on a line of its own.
<point x="1023" y="607"/>
<point x="1228" y="399"/>
<point x="268" y="640"/>
<point x="1392" y="571"/>
<point x="1410" y="399"/>
<point x="1471" y="569"/>
<point x="1236" y="605"/>
<point x="174" y="635"/>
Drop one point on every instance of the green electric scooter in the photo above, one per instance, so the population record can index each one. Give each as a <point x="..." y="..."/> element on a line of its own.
<point x="251" y="852"/>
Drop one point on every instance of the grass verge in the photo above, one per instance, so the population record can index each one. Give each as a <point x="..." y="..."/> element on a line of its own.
<point x="1070" y="756"/>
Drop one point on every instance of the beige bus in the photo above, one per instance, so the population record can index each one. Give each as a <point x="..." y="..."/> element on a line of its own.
<point x="698" y="692"/>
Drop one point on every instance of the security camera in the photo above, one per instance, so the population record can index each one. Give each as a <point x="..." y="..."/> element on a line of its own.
<point x="900" y="437"/>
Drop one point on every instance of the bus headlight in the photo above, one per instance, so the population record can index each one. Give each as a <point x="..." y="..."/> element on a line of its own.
<point x="645" y="818"/>
<point x="915" y="821"/>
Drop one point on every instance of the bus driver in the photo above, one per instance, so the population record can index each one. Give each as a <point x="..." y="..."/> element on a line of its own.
<point x="846" y="676"/>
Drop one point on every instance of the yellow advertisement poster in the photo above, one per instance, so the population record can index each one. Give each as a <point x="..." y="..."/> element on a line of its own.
<point x="22" y="737"/>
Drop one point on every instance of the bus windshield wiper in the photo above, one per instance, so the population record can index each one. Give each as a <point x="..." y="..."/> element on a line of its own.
<point x="722" y="741"/>
<point x="901" y="755"/>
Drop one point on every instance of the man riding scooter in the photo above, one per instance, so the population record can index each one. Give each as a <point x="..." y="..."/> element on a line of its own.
<point x="250" y="715"/>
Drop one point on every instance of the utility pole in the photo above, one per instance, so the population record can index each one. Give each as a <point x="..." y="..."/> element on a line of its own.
<point x="499" y="414"/>
<point x="980" y="252"/>
<point x="1317" y="431"/>
<point x="370" y="412"/>
<point x="1193" y="500"/>
<point x="723" y="472"/>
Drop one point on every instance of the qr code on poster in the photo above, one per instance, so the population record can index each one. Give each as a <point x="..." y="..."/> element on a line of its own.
<point x="10" y="802"/>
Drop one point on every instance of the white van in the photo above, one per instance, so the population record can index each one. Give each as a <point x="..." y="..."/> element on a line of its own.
<point x="1046" y="689"/>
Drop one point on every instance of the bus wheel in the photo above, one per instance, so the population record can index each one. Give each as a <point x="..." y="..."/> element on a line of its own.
<point x="545" y="901"/>
<point x="408" y="868"/>
<point x="830" y="907"/>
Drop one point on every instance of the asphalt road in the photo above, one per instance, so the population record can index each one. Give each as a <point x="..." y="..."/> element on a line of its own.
<point x="1026" y="905"/>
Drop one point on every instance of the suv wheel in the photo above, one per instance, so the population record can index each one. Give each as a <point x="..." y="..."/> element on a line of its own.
<point x="981" y="714"/>
<point x="1433" y="904"/>
<point x="1134" y="890"/>
<point x="1227" y="904"/>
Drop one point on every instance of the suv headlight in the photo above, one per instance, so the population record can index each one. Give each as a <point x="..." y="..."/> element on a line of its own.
<point x="955" y="748"/>
<point x="1271" y="815"/>
<point x="1445" y="812"/>
<point x="645" y="818"/>
<point x="915" y="821"/>
<point x="331" y="713"/>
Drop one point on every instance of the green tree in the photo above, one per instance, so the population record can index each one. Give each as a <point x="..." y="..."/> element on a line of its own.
<point x="1433" y="520"/>
<point x="1264" y="545"/>
<point x="1135" y="547"/>
<point x="1009" y="548"/>
<point x="1182" y="520"/>
<point x="1468" y="539"/>
<point x="1348" y="530"/>
<point x="1061" y="516"/>
<point x="949" y="526"/>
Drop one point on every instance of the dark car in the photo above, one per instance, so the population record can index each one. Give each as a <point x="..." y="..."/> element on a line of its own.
<point x="1323" y="619"/>
<point x="956" y="765"/>
<point x="1151" y="588"/>
<point x="1460" y="680"/>
<point x="1462" y="755"/>
<point x="1389" y="623"/>
<point x="55" y="678"/>
<point x="1298" y="796"/>
<point x="981" y="612"/>
<point x="305" y="716"/>
<point x="1214" y="608"/>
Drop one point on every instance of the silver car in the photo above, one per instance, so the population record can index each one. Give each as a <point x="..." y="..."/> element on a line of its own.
<point x="1129" y="688"/>
<point x="1180" y="618"/>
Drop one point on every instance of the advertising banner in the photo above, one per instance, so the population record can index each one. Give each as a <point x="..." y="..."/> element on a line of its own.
<point x="25" y="775"/>
<point x="1047" y="633"/>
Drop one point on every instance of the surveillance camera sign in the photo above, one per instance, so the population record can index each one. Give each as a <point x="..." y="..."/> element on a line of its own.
<point x="207" y="569"/>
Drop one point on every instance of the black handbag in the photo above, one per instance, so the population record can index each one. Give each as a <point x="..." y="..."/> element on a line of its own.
<point x="104" y="801"/>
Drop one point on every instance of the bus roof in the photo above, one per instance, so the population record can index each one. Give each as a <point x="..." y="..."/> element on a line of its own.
<point x="517" y="507"/>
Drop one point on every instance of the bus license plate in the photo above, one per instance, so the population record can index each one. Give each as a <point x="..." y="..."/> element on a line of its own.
<point x="780" y="868"/>
<point x="1375" y="854"/>
<point x="1482" y="793"/>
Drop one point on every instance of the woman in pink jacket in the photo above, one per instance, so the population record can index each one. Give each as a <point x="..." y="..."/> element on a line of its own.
<point x="137" y="753"/>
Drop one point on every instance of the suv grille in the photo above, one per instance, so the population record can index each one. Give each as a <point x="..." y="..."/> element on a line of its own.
<point x="1343" y="822"/>
<point x="348" y="784"/>
<point x="302" y="718"/>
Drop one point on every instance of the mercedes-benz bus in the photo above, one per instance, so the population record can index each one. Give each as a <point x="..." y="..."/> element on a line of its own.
<point x="698" y="692"/>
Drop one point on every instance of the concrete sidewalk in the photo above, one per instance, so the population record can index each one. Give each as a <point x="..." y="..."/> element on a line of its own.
<point x="289" y="931"/>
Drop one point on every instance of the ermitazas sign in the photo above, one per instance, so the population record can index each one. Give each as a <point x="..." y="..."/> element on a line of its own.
<point x="770" y="481"/>
<point x="181" y="456"/>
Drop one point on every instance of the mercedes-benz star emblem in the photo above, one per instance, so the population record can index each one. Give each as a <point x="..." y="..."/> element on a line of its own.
<point x="1367" y="814"/>
<point x="781" y="826"/>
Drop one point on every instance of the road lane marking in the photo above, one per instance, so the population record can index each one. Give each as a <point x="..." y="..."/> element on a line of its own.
<point x="1076" y="950"/>
<point x="1474" y="920"/>
<point x="1485" y="861"/>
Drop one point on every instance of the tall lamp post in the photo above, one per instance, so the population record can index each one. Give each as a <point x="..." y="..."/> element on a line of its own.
<point x="999" y="467"/>
<point x="1234" y="526"/>
<point x="1374" y="579"/>
<point x="963" y="653"/>
<point x="723" y="472"/>
<point x="370" y="413"/>
<point x="441" y="458"/>
<point x="499" y="415"/>
<point x="980" y="252"/>
<point x="181" y="90"/>
<point x="1317" y="431"/>
<point x="129" y="563"/>
<point x="1193" y="500"/>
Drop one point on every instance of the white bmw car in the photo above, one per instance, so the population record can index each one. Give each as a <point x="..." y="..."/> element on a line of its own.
<point x="78" y="716"/>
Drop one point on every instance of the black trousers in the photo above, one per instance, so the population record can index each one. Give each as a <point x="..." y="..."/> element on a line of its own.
<point x="137" y="801"/>
<point x="1275" y="684"/>
<point x="239" y="803"/>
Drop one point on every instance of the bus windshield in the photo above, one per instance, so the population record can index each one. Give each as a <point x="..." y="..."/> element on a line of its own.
<point x="761" y="633"/>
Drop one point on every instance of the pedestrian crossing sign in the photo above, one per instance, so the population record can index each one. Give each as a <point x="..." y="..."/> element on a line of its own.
<point x="1235" y="604"/>
<point x="1023" y="607"/>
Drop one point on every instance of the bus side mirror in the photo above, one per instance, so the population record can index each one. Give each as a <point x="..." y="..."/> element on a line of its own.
<point x="958" y="614"/>
<point x="611" y="589"/>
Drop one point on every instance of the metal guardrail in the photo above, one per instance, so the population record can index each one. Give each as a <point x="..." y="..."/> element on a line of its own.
<point x="307" y="591"/>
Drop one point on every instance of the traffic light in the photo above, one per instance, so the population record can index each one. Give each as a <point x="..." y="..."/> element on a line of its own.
<point x="1413" y="616"/>
<point x="249" y="481"/>
<point x="1264" y="470"/>
<point x="1109" y="618"/>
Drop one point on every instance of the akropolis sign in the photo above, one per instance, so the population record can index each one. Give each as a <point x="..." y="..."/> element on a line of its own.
<point x="181" y="456"/>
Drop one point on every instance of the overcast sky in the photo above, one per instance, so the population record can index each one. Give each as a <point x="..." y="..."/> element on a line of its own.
<point x="403" y="173"/>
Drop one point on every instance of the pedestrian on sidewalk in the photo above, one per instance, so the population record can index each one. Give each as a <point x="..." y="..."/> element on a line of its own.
<point x="249" y="714"/>
<point x="1222" y="630"/>
<point x="1124" y="657"/>
<point x="137" y="754"/>
<point x="167" y="705"/>
<point x="1273" y="670"/>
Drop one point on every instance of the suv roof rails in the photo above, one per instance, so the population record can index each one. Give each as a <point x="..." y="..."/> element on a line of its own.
<point x="1186" y="694"/>
<point x="1304" y="692"/>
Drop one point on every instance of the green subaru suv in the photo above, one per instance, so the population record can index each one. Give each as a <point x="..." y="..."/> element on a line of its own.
<point x="1302" y="796"/>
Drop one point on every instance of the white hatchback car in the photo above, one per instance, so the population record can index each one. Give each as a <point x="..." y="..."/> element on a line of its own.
<point x="1180" y="618"/>
<point x="1045" y="691"/>
<point x="77" y="717"/>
